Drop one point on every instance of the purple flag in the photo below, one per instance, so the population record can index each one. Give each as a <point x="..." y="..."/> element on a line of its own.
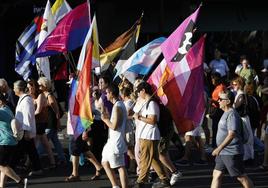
<point x="69" y="34"/>
<point x="179" y="42"/>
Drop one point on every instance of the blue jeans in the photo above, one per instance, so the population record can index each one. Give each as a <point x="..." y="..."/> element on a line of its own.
<point x="53" y="136"/>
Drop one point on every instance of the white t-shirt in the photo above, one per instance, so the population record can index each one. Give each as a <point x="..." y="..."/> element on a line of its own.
<point x="148" y="131"/>
<point x="219" y="66"/>
<point x="25" y="114"/>
<point x="130" y="124"/>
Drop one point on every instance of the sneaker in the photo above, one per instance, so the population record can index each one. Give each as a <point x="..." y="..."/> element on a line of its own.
<point x="35" y="173"/>
<point x="200" y="163"/>
<point x="23" y="183"/>
<point x="175" y="177"/>
<point x="152" y="176"/>
<point x="138" y="185"/>
<point x="182" y="163"/>
<point x="161" y="184"/>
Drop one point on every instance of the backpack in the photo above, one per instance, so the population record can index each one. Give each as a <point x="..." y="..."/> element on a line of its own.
<point x="165" y="123"/>
<point x="245" y="132"/>
<point x="253" y="111"/>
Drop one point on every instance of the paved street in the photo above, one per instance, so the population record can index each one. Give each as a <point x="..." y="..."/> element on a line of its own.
<point x="193" y="176"/>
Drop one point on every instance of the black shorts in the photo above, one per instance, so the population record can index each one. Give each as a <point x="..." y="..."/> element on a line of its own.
<point x="232" y="163"/>
<point x="6" y="155"/>
<point x="78" y="146"/>
<point x="163" y="145"/>
<point x="40" y="128"/>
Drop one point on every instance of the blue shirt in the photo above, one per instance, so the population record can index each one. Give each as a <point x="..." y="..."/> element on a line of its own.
<point x="6" y="134"/>
<point x="230" y="121"/>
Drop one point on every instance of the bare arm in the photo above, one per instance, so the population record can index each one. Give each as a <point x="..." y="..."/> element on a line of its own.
<point x="39" y="104"/>
<point x="53" y="103"/>
<point x="150" y="119"/>
<point x="116" y="121"/>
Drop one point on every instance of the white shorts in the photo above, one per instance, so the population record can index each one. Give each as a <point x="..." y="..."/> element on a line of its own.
<point x="115" y="160"/>
<point x="195" y="132"/>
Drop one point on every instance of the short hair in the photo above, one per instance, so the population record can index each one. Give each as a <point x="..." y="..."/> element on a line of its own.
<point x="45" y="83"/>
<point x="147" y="87"/>
<point x="21" y="85"/>
<point x="114" y="90"/>
<point x="3" y="82"/>
<point x="228" y="94"/>
<point x="243" y="57"/>
<point x="217" y="77"/>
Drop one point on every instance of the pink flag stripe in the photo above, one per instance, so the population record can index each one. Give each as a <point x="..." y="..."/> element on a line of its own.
<point x="187" y="105"/>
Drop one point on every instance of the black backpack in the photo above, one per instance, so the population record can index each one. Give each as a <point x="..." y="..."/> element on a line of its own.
<point x="253" y="111"/>
<point x="165" y="123"/>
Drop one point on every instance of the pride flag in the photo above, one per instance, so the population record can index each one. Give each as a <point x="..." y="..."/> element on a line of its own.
<point x="82" y="104"/>
<point x="69" y="34"/>
<point x="143" y="59"/>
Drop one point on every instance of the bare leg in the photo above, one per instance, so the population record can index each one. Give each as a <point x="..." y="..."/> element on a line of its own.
<point x="123" y="176"/>
<point x="2" y="179"/>
<point x="265" y="158"/>
<point x="7" y="171"/>
<point x="164" y="158"/>
<point x="44" y="141"/>
<point x="110" y="173"/>
<point x="201" y="147"/>
<point x="91" y="157"/>
<point x="245" y="181"/>
<point x="217" y="179"/>
<point x="75" y="162"/>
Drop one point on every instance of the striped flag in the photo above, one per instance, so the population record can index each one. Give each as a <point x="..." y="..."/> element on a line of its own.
<point x="50" y="18"/>
<point x="48" y="24"/>
<point x="59" y="9"/>
<point x="69" y="34"/>
<point x="89" y="55"/>
<point x="119" y="45"/>
<point x="143" y="59"/>
<point x="26" y="46"/>
<point x="185" y="89"/>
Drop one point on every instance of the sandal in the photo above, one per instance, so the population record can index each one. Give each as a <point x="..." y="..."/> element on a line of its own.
<point x="98" y="174"/>
<point x="262" y="167"/>
<point x="72" y="178"/>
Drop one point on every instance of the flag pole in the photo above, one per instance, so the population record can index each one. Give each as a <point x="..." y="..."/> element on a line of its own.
<point x="162" y="85"/>
<point x="69" y="60"/>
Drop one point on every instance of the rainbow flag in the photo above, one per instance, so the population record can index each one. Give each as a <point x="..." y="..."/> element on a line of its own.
<point x="89" y="55"/>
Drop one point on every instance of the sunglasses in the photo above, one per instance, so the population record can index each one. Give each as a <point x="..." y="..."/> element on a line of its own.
<point x="234" y="84"/>
<point x="221" y="99"/>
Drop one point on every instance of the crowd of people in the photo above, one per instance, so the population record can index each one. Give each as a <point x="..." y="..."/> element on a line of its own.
<point x="127" y="134"/>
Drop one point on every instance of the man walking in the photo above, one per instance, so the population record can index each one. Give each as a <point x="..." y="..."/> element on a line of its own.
<point x="229" y="151"/>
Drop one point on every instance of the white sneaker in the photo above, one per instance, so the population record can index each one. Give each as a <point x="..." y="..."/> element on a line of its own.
<point x="175" y="177"/>
<point x="25" y="182"/>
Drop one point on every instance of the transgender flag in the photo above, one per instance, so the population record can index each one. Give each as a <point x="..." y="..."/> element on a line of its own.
<point x="143" y="59"/>
<point x="69" y="34"/>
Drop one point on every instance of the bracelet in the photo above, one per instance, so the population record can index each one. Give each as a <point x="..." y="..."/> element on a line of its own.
<point x="139" y="117"/>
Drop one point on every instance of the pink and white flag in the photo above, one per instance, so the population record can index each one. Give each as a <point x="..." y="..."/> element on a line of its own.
<point x="185" y="89"/>
<point x="179" y="42"/>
